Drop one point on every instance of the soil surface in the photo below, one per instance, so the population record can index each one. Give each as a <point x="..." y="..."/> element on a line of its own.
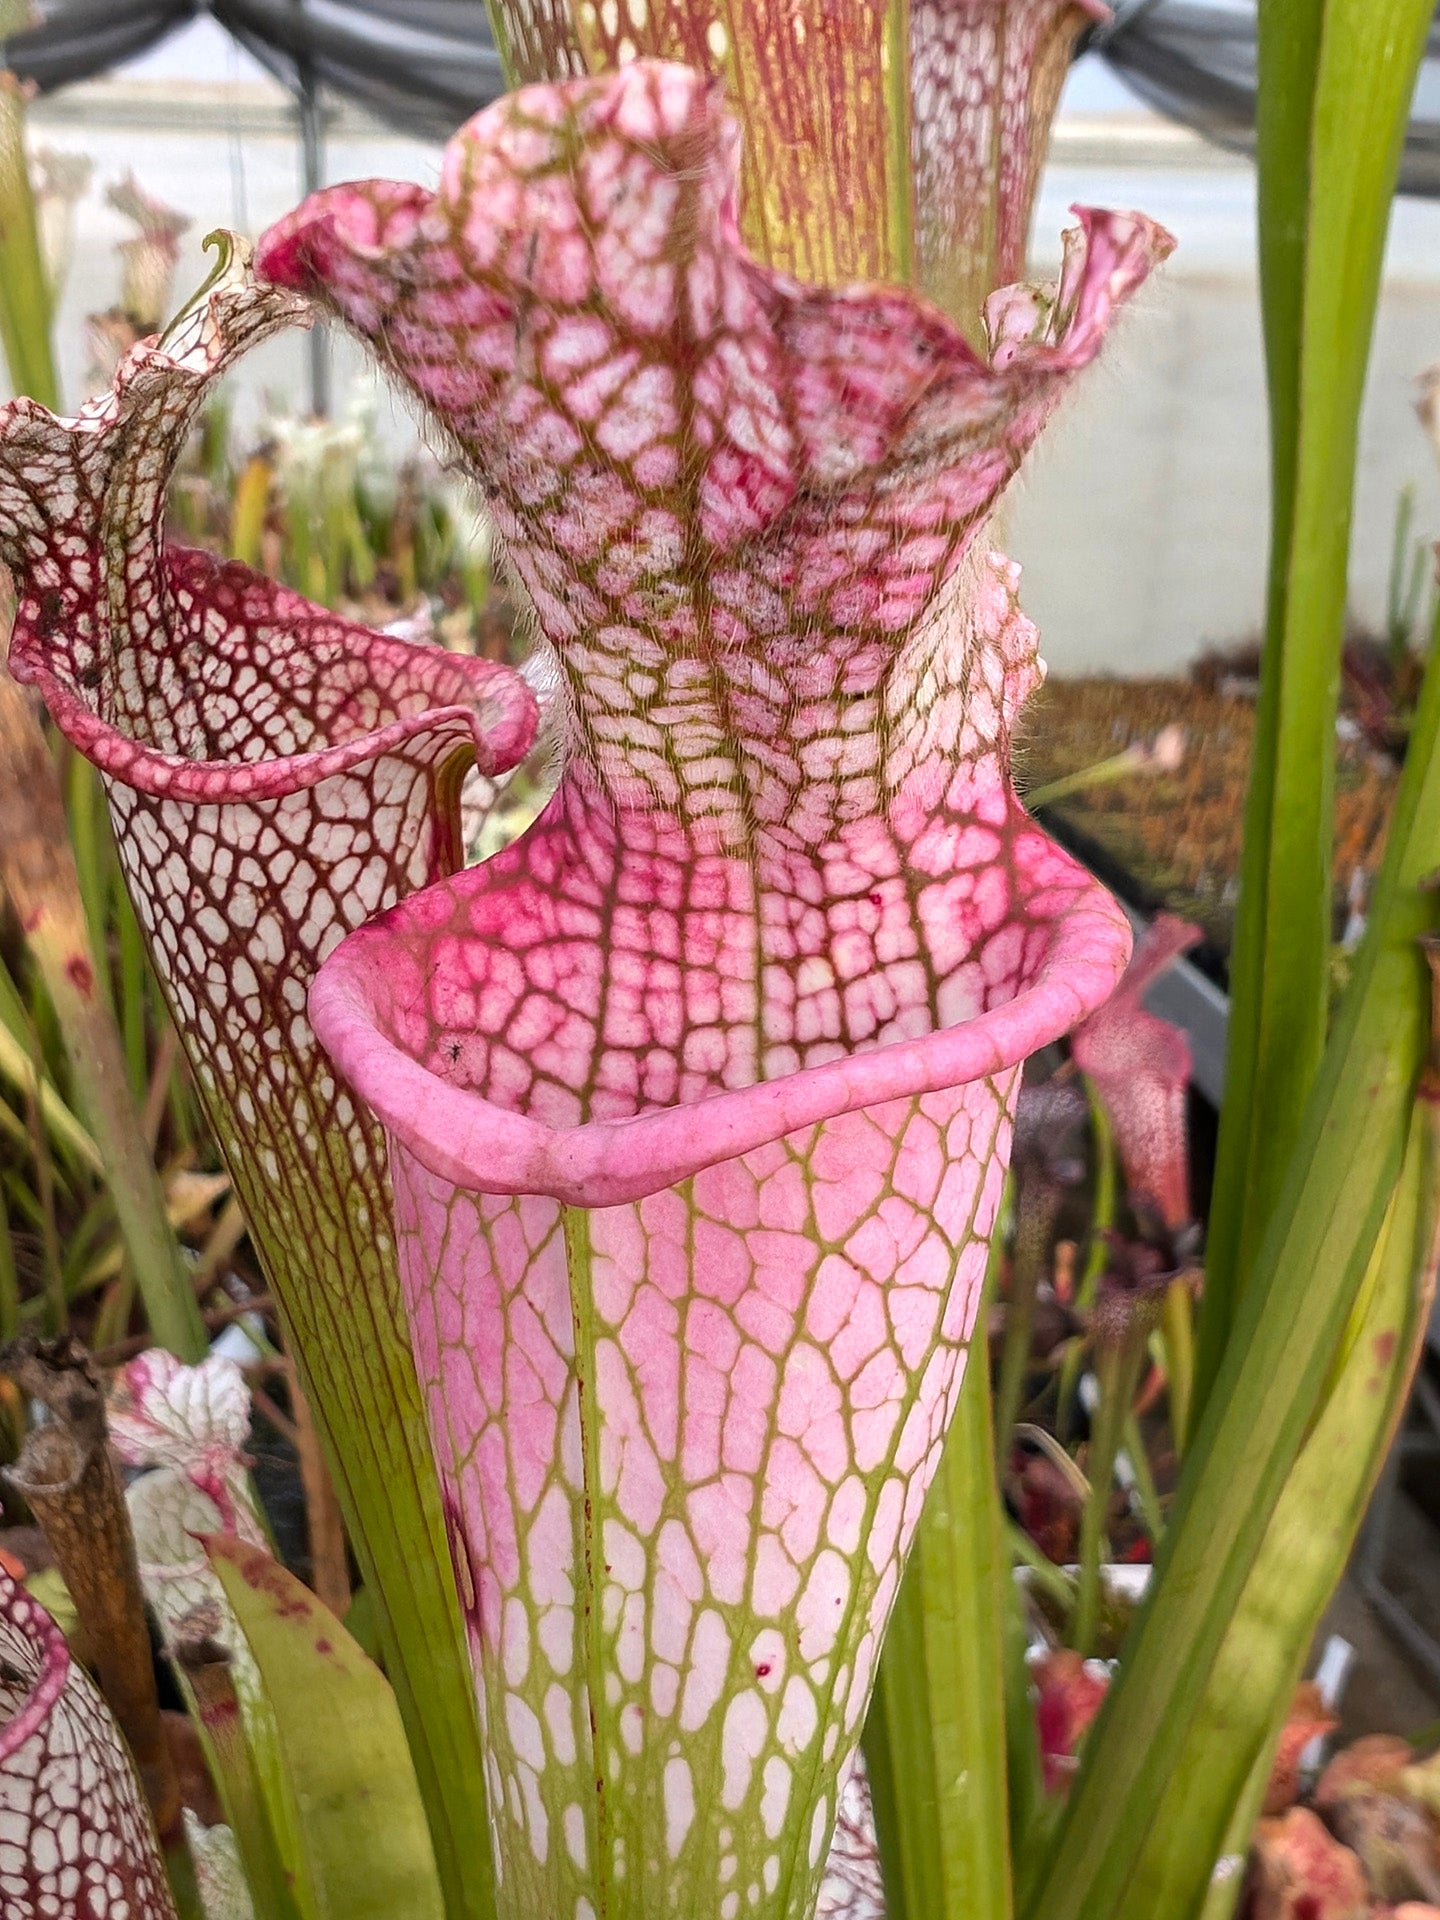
<point x="1179" y="833"/>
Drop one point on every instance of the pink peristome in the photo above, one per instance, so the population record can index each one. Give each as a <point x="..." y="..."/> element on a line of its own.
<point x="76" y="1840"/>
<point x="1140" y="1065"/>
<point x="699" y="1096"/>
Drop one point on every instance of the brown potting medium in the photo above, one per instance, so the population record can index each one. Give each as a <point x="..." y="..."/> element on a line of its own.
<point x="1178" y="834"/>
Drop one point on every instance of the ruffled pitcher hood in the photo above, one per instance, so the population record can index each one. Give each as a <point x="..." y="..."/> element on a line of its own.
<point x="785" y="873"/>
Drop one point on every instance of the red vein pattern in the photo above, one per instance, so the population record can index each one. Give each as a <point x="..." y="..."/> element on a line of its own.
<point x="76" y="1841"/>
<point x="853" y="1888"/>
<point x="985" y="79"/>
<point x="699" y="1095"/>
<point x="822" y="186"/>
<point x="898" y="141"/>
<point x="275" y="775"/>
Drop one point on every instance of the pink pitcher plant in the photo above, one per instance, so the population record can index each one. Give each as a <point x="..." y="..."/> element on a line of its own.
<point x="699" y="1095"/>
<point x="897" y="140"/>
<point x="697" y="1100"/>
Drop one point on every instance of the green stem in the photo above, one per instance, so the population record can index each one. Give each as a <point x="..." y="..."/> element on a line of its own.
<point x="1146" y="1497"/>
<point x="9" y="1279"/>
<point x="132" y="988"/>
<point x="1215" y="1793"/>
<point x="1032" y="1811"/>
<point x="1177" y="1327"/>
<point x="249" y="507"/>
<point x="1103" y="773"/>
<point x="1117" y="1372"/>
<point x="84" y="806"/>
<point x="216" y="1714"/>
<point x="17" y="1065"/>
<point x="1014" y="1356"/>
<point x="1102" y="1219"/>
<point x="52" y="1276"/>
<point x="1227" y="1877"/>
<point x="26" y="308"/>
<point x="1035" y="1210"/>
<point x="1043" y="1571"/>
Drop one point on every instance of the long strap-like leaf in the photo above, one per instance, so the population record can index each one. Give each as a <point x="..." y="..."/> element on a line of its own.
<point x="1223" y="1771"/>
<point x="1335" y="83"/>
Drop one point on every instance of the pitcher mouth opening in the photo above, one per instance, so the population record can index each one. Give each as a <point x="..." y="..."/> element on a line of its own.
<point x="371" y="1003"/>
<point x="331" y="708"/>
<point x="184" y="676"/>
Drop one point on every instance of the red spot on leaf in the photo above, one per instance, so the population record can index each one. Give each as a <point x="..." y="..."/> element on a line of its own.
<point x="80" y="974"/>
<point x="219" y="1713"/>
<point x="460" y="1561"/>
<point x="1385" y="1347"/>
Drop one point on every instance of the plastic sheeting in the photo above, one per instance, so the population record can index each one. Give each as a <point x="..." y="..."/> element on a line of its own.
<point x="424" y="66"/>
<point x="78" y="38"/>
<point x="1194" y="61"/>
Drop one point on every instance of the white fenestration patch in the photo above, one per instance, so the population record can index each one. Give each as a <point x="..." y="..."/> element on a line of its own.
<point x="709" y="1662"/>
<point x="526" y="1736"/>
<point x="679" y="1804"/>
<point x="572" y="1822"/>
<point x="799" y="1717"/>
<point x="776" y="1796"/>
<point x="537" y="1821"/>
<point x="742" y="1742"/>
<point x="560" y="1719"/>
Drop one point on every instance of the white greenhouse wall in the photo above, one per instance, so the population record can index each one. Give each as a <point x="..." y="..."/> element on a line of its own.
<point x="1141" y="524"/>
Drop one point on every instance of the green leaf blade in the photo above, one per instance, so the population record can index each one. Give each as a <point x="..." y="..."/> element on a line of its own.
<point x="1336" y="78"/>
<point x="1226" y="1760"/>
<point x="358" y="1821"/>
